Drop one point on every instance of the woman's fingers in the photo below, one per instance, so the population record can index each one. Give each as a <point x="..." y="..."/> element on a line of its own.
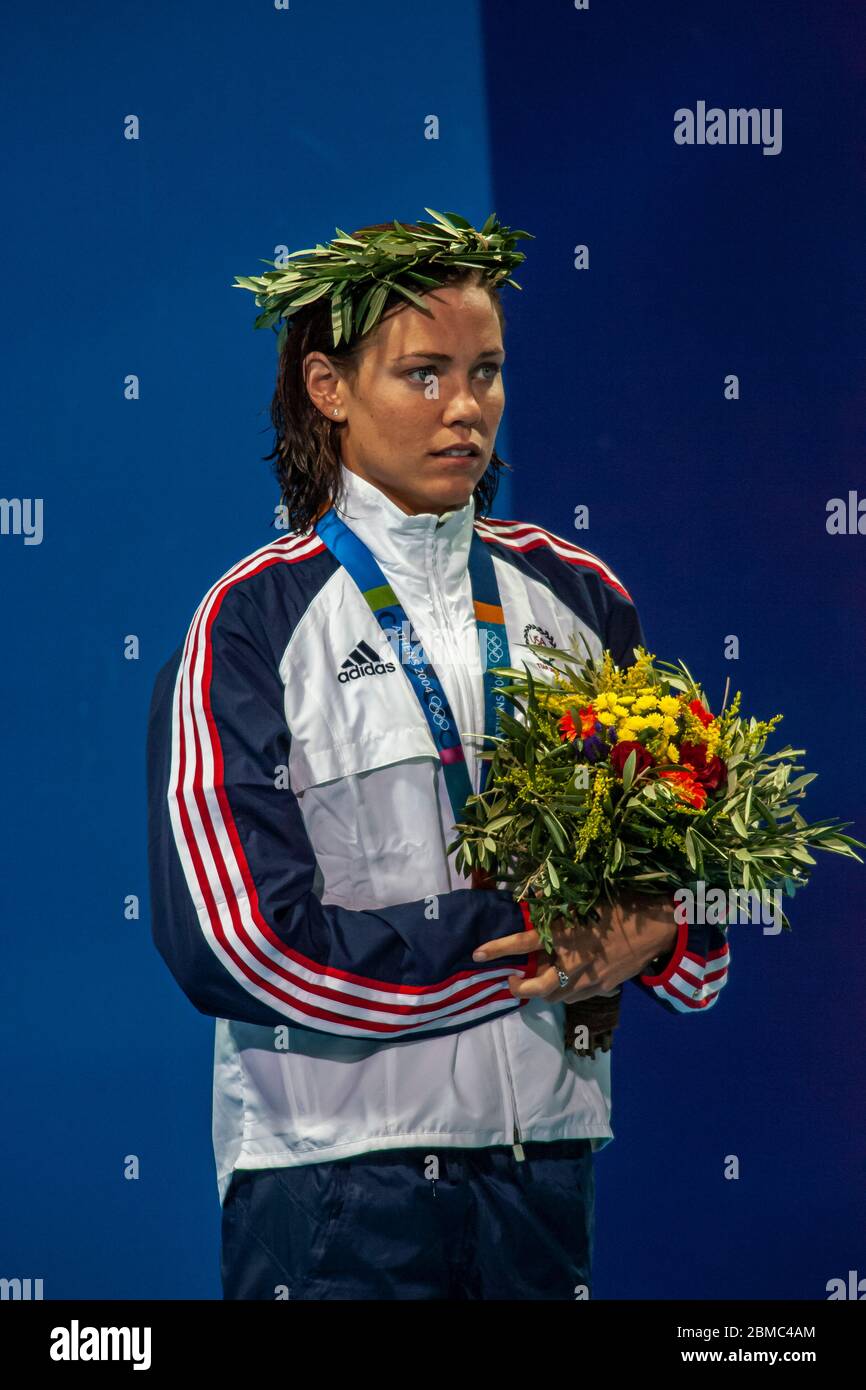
<point x="537" y="988"/>
<point x="518" y="944"/>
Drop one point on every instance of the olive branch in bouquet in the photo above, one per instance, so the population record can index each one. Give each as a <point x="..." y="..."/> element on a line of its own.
<point x="620" y="782"/>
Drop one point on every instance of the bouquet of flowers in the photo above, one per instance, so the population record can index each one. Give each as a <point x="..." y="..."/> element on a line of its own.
<point x="623" y="782"/>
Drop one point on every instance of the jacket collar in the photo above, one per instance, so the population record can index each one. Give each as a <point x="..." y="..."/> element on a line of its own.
<point x="408" y="545"/>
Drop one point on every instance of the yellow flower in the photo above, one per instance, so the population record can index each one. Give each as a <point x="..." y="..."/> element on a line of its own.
<point x="673" y="753"/>
<point x="629" y="728"/>
<point x="644" y="702"/>
<point x="669" y="705"/>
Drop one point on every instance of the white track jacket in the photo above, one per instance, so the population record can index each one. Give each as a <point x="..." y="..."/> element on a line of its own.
<point x="301" y="893"/>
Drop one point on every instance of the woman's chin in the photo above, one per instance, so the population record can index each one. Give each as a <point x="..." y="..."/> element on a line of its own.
<point x="455" y="484"/>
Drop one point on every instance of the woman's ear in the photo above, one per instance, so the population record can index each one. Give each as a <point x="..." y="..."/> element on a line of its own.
<point x="324" y="385"/>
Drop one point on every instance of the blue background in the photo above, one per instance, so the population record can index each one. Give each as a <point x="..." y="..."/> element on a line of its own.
<point x="261" y="127"/>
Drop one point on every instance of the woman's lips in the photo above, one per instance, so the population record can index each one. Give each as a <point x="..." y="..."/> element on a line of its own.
<point x="460" y="460"/>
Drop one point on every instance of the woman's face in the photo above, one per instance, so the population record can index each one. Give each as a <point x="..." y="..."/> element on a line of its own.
<point x="398" y="421"/>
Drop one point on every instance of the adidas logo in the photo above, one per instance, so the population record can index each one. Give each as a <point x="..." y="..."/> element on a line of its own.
<point x="363" y="661"/>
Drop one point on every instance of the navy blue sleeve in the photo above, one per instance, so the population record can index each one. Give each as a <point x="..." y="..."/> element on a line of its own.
<point x="689" y="978"/>
<point x="623" y="630"/>
<point x="233" y="911"/>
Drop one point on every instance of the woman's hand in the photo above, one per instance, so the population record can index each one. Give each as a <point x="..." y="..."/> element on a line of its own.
<point x="597" y="957"/>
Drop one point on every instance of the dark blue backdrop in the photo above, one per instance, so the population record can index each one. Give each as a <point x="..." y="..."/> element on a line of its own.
<point x="262" y="126"/>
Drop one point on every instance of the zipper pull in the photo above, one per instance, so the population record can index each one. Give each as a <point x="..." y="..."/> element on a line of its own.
<point x="517" y="1147"/>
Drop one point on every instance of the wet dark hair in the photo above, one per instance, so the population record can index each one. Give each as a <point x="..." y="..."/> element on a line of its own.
<point x="306" y="456"/>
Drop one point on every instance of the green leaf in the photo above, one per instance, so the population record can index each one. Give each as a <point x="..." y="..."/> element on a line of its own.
<point x="765" y="813"/>
<point x="800" y="782"/>
<point x="377" y="301"/>
<point x="628" y="769"/>
<point x="534" y="837"/>
<point x="443" y="221"/>
<point x="840" y="843"/>
<point x="308" y="297"/>
<point x="803" y="855"/>
<point x="336" y="317"/>
<point x="412" y="297"/>
<point x="554" y="827"/>
<point x="690" y="849"/>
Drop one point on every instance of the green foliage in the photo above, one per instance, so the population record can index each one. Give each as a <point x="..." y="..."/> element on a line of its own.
<point x="359" y="272"/>
<point x="568" y="848"/>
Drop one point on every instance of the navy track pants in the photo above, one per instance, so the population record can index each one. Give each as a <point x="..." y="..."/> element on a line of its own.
<point x="415" y="1223"/>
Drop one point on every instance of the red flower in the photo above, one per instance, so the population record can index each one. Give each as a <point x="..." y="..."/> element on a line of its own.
<point x="710" y="774"/>
<point x="701" y="712"/>
<point x="588" y="722"/>
<point x="685" y="786"/>
<point x="566" y="724"/>
<point x="621" y="750"/>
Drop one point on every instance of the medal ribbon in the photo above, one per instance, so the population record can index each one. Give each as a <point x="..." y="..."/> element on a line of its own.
<point x="351" y="552"/>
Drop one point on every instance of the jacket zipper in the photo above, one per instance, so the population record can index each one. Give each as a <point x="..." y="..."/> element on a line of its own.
<point x="436" y="589"/>
<point x="517" y="1145"/>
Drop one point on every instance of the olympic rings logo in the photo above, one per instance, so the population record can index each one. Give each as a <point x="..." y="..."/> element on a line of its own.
<point x="434" y="704"/>
<point x="494" y="648"/>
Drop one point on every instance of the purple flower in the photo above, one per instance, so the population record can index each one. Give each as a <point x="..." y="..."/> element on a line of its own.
<point x="594" y="748"/>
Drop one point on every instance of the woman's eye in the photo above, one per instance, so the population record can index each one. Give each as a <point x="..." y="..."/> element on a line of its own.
<point x="493" y="367"/>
